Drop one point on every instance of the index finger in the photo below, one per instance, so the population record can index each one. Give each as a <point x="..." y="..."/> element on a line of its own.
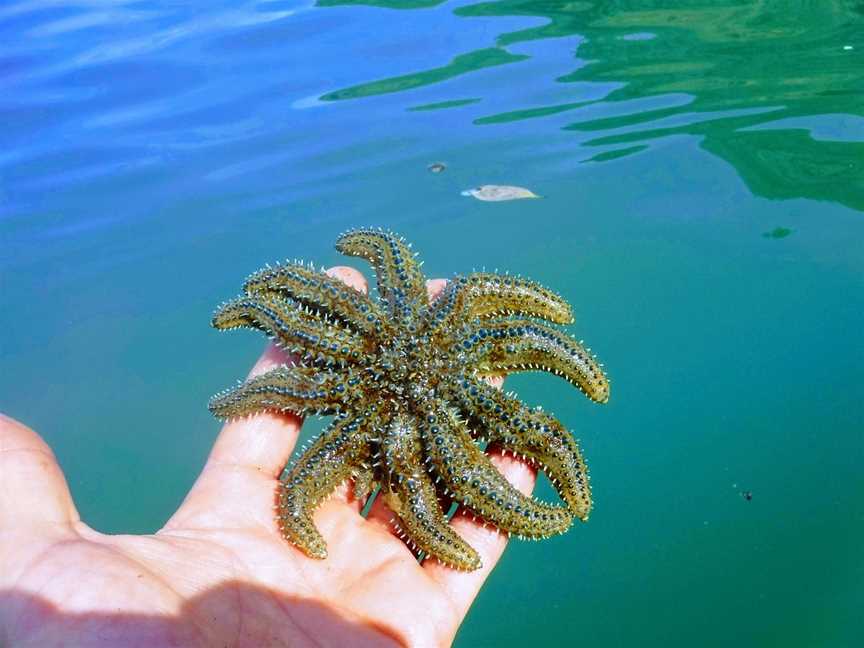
<point x="237" y="482"/>
<point x="33" y="489"/>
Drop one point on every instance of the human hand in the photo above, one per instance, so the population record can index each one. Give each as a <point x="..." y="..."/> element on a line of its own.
<point x="218" y="573"/>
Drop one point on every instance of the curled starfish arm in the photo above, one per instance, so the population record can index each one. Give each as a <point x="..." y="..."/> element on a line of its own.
<point x="474" y="481"/>
<point x="483" y="295"/>
<point x="302" y="390"/>
<point x="330" y="460"/>
<point x="401" y="284"/>
<point x="532" y="433"/>
<point x="293" y="329"/>
<point x="508" y="346"/>
<point x="319" y="292"/>
<point x="411" y="495"/>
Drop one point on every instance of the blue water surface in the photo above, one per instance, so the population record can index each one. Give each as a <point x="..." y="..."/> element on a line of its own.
<point x="702" y="172"/>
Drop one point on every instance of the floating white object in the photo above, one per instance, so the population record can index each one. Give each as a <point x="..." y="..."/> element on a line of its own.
<point x="847" y="47"/>
<point x="497" y="193"/>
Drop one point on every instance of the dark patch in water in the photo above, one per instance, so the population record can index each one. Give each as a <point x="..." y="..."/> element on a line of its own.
<point x="777" y="233"/>
<point x="441" y="105"/>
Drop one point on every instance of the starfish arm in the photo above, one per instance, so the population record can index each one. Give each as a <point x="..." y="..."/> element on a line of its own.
<point x="295" y="330"/>
<point x="475" y="482"/>
<point x="302" y="390"/>
<point x="482" y="295"/>
<point x="507" y="346"/>
<point x="400" y="282"/>
<point x="411" y="495"/>
<point x="324" y="465"/>
<point x="318" y="291"/>
<point x="532" y="433"/>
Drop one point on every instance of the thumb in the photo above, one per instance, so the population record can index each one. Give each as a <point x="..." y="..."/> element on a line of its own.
<point x="33" y="489"/>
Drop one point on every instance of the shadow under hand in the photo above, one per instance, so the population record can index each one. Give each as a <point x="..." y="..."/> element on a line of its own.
<point x="233" y="614"/>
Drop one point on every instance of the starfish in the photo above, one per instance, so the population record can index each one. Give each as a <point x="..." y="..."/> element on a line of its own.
<point x="405" y="380"/>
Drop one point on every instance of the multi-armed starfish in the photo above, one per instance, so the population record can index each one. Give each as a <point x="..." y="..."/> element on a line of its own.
<point x="405" y="379"/>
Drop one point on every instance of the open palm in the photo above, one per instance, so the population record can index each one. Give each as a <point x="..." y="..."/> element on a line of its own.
<point x="218" y="573"/>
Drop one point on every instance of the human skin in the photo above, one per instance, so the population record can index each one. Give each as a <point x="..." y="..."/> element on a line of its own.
<point x="218" y="573"/>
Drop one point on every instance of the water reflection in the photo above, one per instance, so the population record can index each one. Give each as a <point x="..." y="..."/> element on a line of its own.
<point x="728" y="74"/>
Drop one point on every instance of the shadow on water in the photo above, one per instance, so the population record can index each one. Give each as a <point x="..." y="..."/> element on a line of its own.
<point x="771" y="87"/>
<point x="213" y="618"/>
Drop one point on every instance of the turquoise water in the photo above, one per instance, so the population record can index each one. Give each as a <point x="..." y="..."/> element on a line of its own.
<point x="702" y="172"/>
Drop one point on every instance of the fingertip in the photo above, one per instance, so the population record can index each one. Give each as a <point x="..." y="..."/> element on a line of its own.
<point x="262" y="441"/>
<point x="496" y="381"/>
<point x="434" y="288"/>
<point x="271" y="358"/>
<point x="14" y="435"/>
<point x="522" y="475"/>
<point x="350" y="276"/>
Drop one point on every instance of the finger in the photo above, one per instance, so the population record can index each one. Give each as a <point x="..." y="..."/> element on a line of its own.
<point x="33" y="489"/>
<point x="264" y="442"/>
<point x="248" y="455"/>
<point x="461" y="588"/>
<point x="434" y="288"/>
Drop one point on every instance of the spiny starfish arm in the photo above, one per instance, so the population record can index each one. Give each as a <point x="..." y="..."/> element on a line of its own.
<point x="319" y="292"/>
<point x="411" y="495"/>
<point x="532" y="433"/>
<point x="483" y="295"/>
<point x="401" y="284"/>
<point x="323" y="466"/>
<point x="474" y="481"/>
<point x="302" y="390"/>
<point x="293" y="329"/>
<point x="511" y="345"/>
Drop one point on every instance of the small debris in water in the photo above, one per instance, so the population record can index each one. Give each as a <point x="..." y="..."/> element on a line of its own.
<point x="847" y="47"/>
<point x="747" y="495"/>
<point x="498" y="193"/>
<point x="437" y="167"/>
<point x="777" y="233"/>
